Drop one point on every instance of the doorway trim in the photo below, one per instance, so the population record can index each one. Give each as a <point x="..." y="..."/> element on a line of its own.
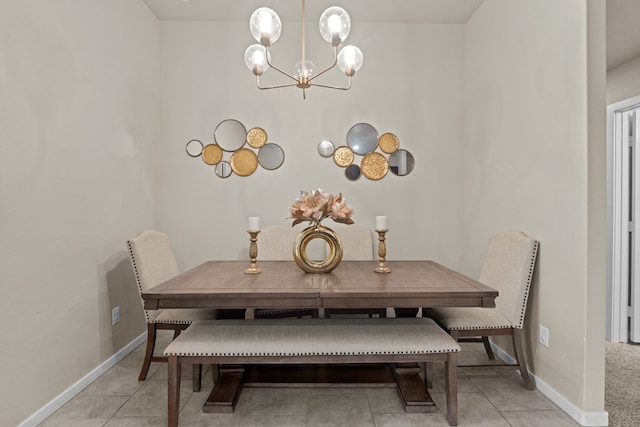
<point x="618" y="225"/>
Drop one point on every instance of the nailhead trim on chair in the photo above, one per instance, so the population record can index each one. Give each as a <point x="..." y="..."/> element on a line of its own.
<point x="529" y="279"/>
<point x="174" y="322"/>
<point x="135" y="271"/>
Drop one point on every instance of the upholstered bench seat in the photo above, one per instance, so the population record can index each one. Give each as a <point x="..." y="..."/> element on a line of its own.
<point x="469" y="318"/>
<point x="295" y="341"/>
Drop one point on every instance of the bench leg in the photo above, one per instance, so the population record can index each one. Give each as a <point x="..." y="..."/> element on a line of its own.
<point x="173" y="399"/>
<point x="451" y="386"/>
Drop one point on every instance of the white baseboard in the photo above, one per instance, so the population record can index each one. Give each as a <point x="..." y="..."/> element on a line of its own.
<point x="589" y="419"/>
<point x="81" y="384"/>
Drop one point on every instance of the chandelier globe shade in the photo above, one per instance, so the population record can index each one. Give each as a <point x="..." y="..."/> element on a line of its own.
<point x="255" y="57"/>
<point x="350" y="60"/>
<point x="335" y="25"/>
<point x="265" y="26"/>
<point x="304" y="70"/>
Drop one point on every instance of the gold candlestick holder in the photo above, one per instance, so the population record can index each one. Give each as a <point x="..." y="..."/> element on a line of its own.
<point x="253" y="253"/>
<point x="382" y="253"/>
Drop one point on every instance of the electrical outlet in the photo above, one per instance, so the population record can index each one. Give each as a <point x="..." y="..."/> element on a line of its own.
<point x="115" y="315"/>
<point x="544" y="336"/>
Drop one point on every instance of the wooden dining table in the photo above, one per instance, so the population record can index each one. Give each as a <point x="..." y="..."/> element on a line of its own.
<point x="353" y="284"/>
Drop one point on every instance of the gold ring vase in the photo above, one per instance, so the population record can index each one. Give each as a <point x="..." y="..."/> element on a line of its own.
<point x="333" y="258"/>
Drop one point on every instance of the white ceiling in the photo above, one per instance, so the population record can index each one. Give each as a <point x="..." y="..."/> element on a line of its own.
<point x="416" y="11"/>
<point x="623" y="16"/>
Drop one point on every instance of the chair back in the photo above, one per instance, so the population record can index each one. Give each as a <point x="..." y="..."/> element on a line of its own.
<point x="508" y="267"/>
<point x="357" y="242"/>
<point x="275" y="243"/>
<point x="153" y="262"/>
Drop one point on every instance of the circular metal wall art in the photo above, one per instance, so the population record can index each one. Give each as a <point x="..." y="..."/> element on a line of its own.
<point x="362" y="138"/>
<point x="244" y="162"/>
<point x="230" y="135"/>
<point x="212" y="154"/>
<point x="236" y="151"/>
<point x="401" y="163"/>
<point x="256" y="137"/>
<point x="352" y="172"/>
<point x="388" y="142"/>
<point x="223" y="169"/>
<point x="317" y="231"/>
<point x="343" y="156"/>
<point x="374" y="166"/>
<point x="369" y="154"/>
<point x="194" y="148"/>
<point x="271" y="156"/>
<point x="326" y="148"/>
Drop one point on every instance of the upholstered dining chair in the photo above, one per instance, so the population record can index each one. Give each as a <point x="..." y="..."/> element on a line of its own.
<point x="275" y="243"/>
<point x="153" y="262"/>
<point x="357" y="245"/>
<point x="508" y="267"/>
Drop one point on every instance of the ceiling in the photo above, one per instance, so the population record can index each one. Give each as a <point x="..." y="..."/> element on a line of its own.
<point x="414" y="11"/>
<point x="623" y="16"/>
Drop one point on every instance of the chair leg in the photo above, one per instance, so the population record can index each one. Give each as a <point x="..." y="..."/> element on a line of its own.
<point x="488" y="349"/>
<point x="517" y="348"/>
<point x="151" y="344"/>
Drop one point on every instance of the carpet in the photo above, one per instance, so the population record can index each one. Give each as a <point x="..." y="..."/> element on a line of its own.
<point x="622" y="384"/>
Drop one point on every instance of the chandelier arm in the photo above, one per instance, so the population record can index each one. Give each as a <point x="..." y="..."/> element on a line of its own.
<point x="279" y="70"/>
<point x="335" y="62"/>
<point x="274" y="87"/>
<point x="334" y="87"/>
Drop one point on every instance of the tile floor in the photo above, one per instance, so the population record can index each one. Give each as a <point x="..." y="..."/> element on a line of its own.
<point x="486" y="397"/>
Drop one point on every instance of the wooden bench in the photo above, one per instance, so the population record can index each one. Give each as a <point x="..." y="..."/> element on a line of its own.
<point x="313" y="341"/>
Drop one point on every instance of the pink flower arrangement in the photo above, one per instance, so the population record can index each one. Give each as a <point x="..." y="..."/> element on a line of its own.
<point x="317" y="205"/>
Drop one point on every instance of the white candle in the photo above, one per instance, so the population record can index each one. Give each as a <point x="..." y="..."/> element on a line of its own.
<point x="254" y="223"/>
<point x="381" y="223"/>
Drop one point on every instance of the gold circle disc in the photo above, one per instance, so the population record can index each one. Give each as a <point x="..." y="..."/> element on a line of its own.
<point x="212" y="154"/>
<point x="257" y="137"/>
<point x="244" y="162"/>
<point x="388" y="142"/>
<point x="374" y="166"/>
<point x="343" y="156"/>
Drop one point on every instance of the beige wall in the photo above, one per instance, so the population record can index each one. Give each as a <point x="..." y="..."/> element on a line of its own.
<point x="78" y="120"/>
<point x="623" y="82"/>
<point x="205" y="81"/>
<point x="534" y="160"/>
<point x="102" y="100"/>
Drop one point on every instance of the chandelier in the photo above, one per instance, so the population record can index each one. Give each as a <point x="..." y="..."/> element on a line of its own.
<point x="335" y="24"/>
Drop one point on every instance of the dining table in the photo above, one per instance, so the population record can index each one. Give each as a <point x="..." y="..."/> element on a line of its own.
<point x="353" y="284"/>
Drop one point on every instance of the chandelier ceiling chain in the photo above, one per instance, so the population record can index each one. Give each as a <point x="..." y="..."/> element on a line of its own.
<point x="335" y="25"/>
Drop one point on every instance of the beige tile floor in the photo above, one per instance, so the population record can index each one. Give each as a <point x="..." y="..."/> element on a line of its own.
<point x="486" y="397"/>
